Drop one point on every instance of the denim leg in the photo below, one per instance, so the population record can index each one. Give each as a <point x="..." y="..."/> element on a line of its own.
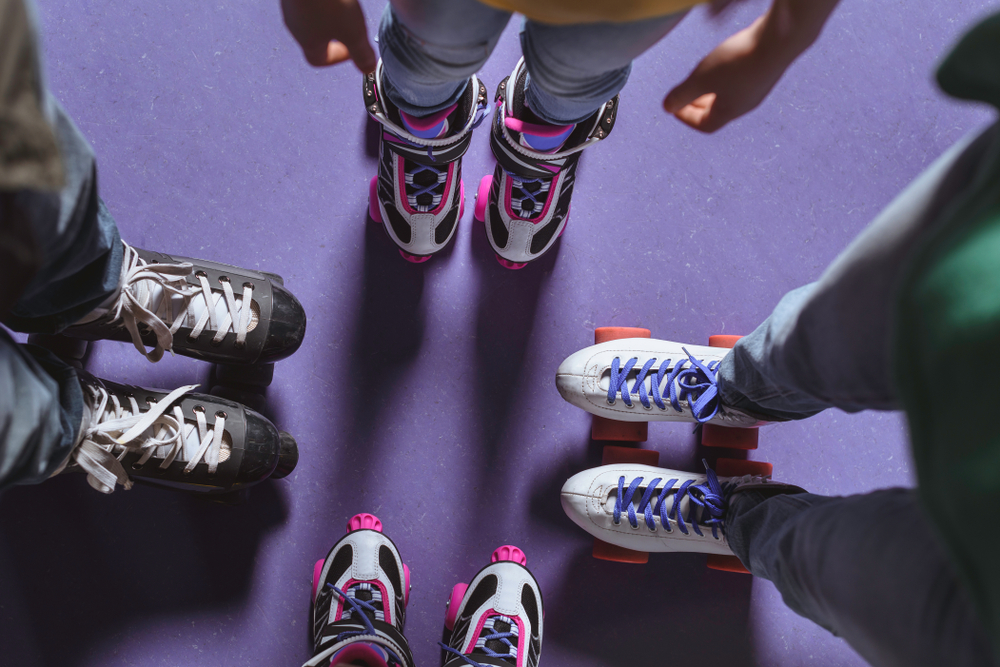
<point x="574" y="69"/>
<point x="429" y="50"/>
<point x="41" y="407"/>
<point x="828" y="344"/>
<point x="77" y="238"/>
<point x="867" y="568"/>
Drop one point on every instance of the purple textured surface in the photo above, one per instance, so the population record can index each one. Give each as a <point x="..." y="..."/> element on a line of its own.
<point x="424" y="394"/>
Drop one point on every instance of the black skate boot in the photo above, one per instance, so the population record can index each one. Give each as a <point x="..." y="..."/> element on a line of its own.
<point x="418" y="193"/>
<point x="177" y="439"/>
<point x="360" y="592"/>
<point x="525" y="203"/>
<point x="209" y="311"/>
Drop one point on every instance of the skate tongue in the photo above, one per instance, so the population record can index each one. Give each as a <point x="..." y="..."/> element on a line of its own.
<point x="360" y="654"/>
<point x="540" y="137"/>
<point x="434" y="126"/>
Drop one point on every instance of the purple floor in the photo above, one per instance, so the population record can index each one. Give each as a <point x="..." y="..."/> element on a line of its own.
<point x="424" y="394"/>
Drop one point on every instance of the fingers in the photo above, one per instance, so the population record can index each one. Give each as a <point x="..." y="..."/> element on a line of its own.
<point x="686" y="92"/>
<point x="354" y="35"/>
<point x="699" y="114"/>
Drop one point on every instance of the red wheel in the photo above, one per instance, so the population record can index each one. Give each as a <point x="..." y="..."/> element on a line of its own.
<point x="731" y="438"/>
<point x="604" y="334"/>
<point x="609" y="429"/>
<point x="483" y="198"/>
<point x="613" y="454"/>
<point x="726" y="564"/>
<point x="723" y="340"/>
<point x="373" y="211"/>
<point x="738" y="467"/>
<point x="605" y="551"/>
<point x="457" y="593"/>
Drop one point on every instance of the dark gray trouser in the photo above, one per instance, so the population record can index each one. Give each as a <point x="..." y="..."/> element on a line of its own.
<point x="869" y="568"/>
<point x="41" y="404"/>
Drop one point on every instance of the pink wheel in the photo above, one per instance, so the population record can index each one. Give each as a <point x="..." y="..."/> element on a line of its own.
<point x="406" y="584"/>
<point x="457" y="594"/>
<point x="317" y="570"/>
<point x="373" y="211"/>
<point x="483" y="197"/>
<point x="414" y="259"/>
<point x="507" y="264"/>
<point x="364" y="522"/>
<point x="509" y="552"/>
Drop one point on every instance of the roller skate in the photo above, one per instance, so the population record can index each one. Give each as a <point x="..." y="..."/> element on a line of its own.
<point x="178" y="439"/>
<point x="209" y="311"/>
<point x="525" y="203"/>
<point x="497" y="619"/>
<point x="359" y="594"/>
<point x="418" y="194"/>
<point x="642" y="508"/>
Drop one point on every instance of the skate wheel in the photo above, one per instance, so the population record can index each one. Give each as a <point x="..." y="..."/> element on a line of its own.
<point x="507" y="264"/>
<point x="364" y="521"/>
<point x="604" y="334"/>
<point x="249" y="399"/>
<point x="317" y="570"/>
<point x="406" y="584"/>
<point x="740" y="467"/>
<point x="602" y="428"/>
<point x="454" y="603"/>
<point x="510" y="553"/>
<point x="616" y="554"/>
<point x="613" y="454"/>
<point x="713" y="435"/>
<point x="723" y="340"/>
<point x="257" y="376"/>
<point x="288" y="456"/>
<point x="373" y="211"/>
<point x="726" y="564"/>
<point x="483" y="198"/>
<point x="414" y="259"/>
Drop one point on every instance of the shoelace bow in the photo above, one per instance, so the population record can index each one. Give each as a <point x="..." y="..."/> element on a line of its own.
<point x="115" y="430"/>
<point x="358" y="608"/>
<point x="132" y="306"/>
<point x="698" y="384"/>
<point x="712" y="497"/>
<point x="504" y="637"/>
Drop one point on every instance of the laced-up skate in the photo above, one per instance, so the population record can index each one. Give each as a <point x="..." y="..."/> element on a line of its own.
<point x="497" y="619"/>
<point x="418" y="194"/>
<point x="644" y="379"/>
<point x="525" y="203"/>
<point x="645" y="508"/>
<point x="210" y="311"/>
<point x="360" y="592"/>
<point x="178" y="439"/>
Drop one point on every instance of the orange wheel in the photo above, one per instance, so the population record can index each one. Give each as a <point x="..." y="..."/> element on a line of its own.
<point x="605" y="551"/>
<point x="726" y="564"/>
<point x="613" y="454"/>
<point x="723" y="340"/>
<point x="609" y="429"/>
<point x="737" y="467"/>
<point x="604" y="334"/>
<point x="725" y="436"/>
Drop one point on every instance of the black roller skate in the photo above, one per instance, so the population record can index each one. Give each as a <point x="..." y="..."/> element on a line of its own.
<point x="191" y="442"/>
<point x="526" y="202"/>
<point x="418" y="193"/>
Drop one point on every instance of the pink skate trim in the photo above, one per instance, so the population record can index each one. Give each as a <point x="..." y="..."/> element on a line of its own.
<point x="425" y="127"/>
<point x="454" y="602"/>
<point x="507" y="264"/>
<point x="364" y="522"/>
<point x="535" y="129"/>
<point x="508" y="198"/>
<point x="461" y="199"/>
<point x="406" y="584"/>
<point x="414" y="259"/>
<point x="551" y="167"/>
<point x="317" y="570"/>
<point x="360" y="652"/>
<point x="389" y="136"/>
<point x="483" y="197"/>
<point x="473" y="636"/>
<point x="509" y="552"/>
<point x="387" y="604"/>
<point x="373" y="205"/>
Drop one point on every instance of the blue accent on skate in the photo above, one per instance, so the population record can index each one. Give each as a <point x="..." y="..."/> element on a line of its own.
<point x="545" y="144"/>
<point x="697" y="384"/>
<point x="518" y="184"/>
<point x="710" y="497"/>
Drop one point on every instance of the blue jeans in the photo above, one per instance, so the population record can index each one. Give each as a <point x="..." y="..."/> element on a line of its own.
<point x="869" y="568"/>
<point x="430" y="49"/>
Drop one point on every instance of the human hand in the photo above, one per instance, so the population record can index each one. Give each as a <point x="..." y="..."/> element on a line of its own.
<point x="330" y="32"/>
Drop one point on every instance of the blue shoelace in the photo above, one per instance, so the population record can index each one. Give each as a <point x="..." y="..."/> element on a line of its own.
<point x="698" y="384"/>
<point x="358" y="608"/>
<point x="504" y="637"/>
<point x="519" y="193"/>
<point x="712" y="497"/>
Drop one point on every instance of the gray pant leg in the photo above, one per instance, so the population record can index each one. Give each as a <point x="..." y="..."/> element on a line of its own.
<point x="41" y="407"/>
<point x="868" y="568"/>
<point x="828" y="344"/>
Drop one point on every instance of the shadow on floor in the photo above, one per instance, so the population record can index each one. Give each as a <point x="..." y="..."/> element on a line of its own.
<point x="80" y="566"/>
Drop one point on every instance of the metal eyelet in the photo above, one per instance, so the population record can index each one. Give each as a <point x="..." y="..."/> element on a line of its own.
<point x="215" y="343"/>
<point x="136" y="466"/>
<point x="248" y="284"/>
<point x="223" y="279"/>
<point x="199" y="408"/>
<point x="221" y="414"/>
<point x="201" y="274"/>
<point x="150" y="400"/>
<point x="240" y="345"/>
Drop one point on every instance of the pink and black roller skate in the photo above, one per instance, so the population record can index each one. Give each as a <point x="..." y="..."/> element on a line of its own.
<point x="418" y="193"/>
<point x="497" y="619"/>
<point x="360" y="592"/>
<point x="526" y="202"/>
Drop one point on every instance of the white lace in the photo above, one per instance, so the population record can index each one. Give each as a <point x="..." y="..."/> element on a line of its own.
<point x="139" y="283"/>
<point x="114" y="430"/>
